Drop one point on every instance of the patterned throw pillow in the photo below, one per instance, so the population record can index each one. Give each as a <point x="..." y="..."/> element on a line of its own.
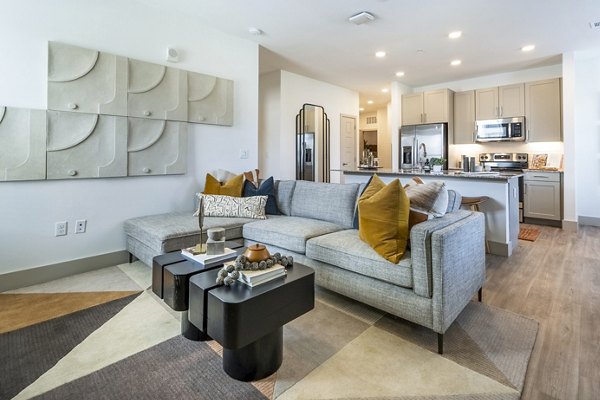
<point x="430" y="198"/>
<point x="233" y="207"/>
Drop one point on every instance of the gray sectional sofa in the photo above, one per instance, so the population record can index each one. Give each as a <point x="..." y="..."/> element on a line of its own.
<point x="430" y="286"/>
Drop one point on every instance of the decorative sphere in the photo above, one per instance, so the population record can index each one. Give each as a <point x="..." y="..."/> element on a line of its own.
<point x="269" y="263"/>
<point x="234" y="275"/>
<point x="290" y="260"/>
<point x="223" y="273"/>
<point x="254" y="266"/>
<point x="228" y="281"/>
<point x="284" y="261"/>
<point x="219" y="280"/>
<point x="230" y="268"/>
<point x="242" y="259"/>
<point x="262" y="265"/>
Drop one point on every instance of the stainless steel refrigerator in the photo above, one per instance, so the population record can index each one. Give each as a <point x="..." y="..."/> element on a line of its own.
<point x="312" y="144"/>
<point x="421" y="142"/>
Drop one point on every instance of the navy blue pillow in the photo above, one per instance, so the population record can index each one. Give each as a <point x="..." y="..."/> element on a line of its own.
<point x="355" y="222"/>
<point x="267" y="188"/>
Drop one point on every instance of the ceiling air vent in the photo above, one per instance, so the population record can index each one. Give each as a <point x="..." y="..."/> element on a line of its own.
<point x="361" y="18"/>
<point x="595" y="25"/>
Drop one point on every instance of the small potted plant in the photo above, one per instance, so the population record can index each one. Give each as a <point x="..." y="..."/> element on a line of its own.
<point x="437" y="164"/>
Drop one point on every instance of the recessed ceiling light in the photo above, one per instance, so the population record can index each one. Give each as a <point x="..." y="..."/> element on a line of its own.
<point x="255" y="31"/>
<point x="380" y="54"/>
<point x="529" y="47"/>
<point x="370" y="102"/>
<point x="361" y="109"/>
<point x="454" y="63"/>
<point x="385" y="90"/>
<point x="399" y="73"/>
<point x="455" y="34"/>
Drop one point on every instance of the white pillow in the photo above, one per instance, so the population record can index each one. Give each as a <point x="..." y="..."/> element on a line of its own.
<point x="429" y="198"/>
<point x="234" y="207"/>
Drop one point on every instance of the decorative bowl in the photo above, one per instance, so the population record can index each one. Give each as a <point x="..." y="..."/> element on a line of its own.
<point x="257" y="253"/>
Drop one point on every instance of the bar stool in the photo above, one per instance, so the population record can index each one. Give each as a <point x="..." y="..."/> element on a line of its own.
<point x="473" y="204"/>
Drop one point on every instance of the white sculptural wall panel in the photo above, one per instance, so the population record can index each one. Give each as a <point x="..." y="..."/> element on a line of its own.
<point x="22" y="144"/>
<point x="156" y="91"/>
<point x="156" y="147"/>
<point x="210" y="99"/>
<point x="87" y="81"/>
<point x="86" y="145"/>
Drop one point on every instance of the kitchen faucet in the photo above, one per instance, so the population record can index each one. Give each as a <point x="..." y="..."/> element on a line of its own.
<point x="421" y="162"/>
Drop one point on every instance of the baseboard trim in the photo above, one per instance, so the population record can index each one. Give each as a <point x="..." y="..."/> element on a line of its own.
<point x="593" y="221"/>
<point x="47" y="273"/>
<point x="570" y="226"/>
<point x="501" y="249"/>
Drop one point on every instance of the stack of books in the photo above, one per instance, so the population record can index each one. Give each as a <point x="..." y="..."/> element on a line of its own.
<point x="203" y="258"/>
<point x="254" y="278"/>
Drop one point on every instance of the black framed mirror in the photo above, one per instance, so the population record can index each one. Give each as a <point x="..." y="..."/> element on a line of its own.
<point x="312" y="144"/>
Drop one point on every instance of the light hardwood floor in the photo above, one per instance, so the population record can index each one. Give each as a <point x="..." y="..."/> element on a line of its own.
<point x="556" y="281"/>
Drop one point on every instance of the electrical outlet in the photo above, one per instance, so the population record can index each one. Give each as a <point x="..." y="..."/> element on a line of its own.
<point x="243" y="153"/>
<point x="60" y="228"/>
<point x="80" y="225"/>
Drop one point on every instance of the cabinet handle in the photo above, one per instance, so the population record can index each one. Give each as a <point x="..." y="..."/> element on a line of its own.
<point x="147" y="113"/>
<point x="146" y="170"/>
<point x="501" y="111"/>
<point x="424" y="117"/>
<point x="497" y="113"/>
<point x="73" y="106"/>
<point x="72" y="172"/>
<point x="540" y="176"/>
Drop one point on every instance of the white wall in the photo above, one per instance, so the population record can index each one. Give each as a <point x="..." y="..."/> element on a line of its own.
<point x="296" y="90"/>
<point x="269" y="123"/>
<point x="28" y="210"/>
<point x="587" y="134"/>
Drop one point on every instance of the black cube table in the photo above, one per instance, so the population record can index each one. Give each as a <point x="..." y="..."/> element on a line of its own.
<point x="171" y="273"/>
<point x="248" y="322"/>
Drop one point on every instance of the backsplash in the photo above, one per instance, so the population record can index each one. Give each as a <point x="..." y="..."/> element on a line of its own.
<point x="455" y="151"/>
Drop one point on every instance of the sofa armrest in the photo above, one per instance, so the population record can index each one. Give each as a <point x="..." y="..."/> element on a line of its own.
<point x="420" y="243"/>
<point x="458" y="267"/>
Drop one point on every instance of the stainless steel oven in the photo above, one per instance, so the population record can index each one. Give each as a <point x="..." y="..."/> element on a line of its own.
<point x="500" y="130"/>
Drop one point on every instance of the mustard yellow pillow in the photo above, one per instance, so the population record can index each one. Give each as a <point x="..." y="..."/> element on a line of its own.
<point x="232" y="187"/>
<point x="383" y="212"/>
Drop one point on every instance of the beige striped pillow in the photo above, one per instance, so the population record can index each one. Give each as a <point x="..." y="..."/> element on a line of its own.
<point x="430" y="198"/>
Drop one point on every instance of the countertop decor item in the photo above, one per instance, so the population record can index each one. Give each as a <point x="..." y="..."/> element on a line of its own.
<point x="200" y="247"/>
<point x="231" y="272"/>
<point x="257" y="253"/>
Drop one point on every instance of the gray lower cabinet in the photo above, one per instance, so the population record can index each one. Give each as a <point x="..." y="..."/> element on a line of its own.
<point x="542" y="195"/>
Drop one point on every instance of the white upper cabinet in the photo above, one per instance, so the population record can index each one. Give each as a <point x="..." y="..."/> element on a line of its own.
<point x="500" y="102"/>
<point x="543" y="111"/>
<point x="464" y="117"/>
<point x="412" y="109"/>
<point x="427" y="108"/>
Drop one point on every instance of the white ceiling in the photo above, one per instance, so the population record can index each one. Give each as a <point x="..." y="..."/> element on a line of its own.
<point x="314" y="38"/>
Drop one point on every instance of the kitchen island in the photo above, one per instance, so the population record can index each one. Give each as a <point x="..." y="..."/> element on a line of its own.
<point x="501" y="210"/>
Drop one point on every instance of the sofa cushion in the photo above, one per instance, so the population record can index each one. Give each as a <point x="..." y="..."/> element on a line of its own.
<point x="454" y="200"/>
<point x="429" y="198"/>
<point x="265" y="188"/>
<point x="345" y="250"/>
<point x="283" y="195"/>
<point x="232" y="187"/>
<point x="288" y="232"/>
<point x="383" y="215"/>
<point x="163" y="231"/>
<point x="332" y="202"/>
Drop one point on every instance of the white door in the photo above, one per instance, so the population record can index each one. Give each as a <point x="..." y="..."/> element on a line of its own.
<point x="347" y="142"/>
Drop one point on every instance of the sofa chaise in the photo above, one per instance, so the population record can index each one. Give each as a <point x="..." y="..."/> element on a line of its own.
<point x="430" y="286"/>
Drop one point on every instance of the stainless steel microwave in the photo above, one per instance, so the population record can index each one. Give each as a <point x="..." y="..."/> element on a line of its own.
<point x="501" y="130"/>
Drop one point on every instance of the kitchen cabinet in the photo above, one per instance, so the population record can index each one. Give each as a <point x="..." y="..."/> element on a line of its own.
<point x="500" y="102"/>
<point x="542" y="195"/>
<point x="464" y="117"/>
<point x="543" y="111"/>
<point x="427" y="108"/>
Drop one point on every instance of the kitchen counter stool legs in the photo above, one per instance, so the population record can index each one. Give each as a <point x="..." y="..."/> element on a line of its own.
<point x="473" y="204"/>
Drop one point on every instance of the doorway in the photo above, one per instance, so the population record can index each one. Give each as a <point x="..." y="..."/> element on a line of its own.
<point x="347" y="142"/>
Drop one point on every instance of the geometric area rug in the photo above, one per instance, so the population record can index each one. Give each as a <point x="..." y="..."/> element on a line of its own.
<point x="128" y="346"/>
